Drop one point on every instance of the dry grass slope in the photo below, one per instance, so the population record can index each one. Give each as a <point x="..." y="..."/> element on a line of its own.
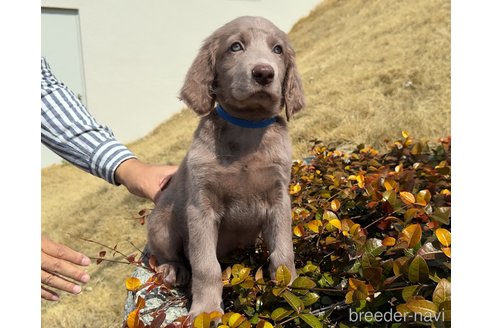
<point x="373" y="68"/>
<point x="370" y="70"/>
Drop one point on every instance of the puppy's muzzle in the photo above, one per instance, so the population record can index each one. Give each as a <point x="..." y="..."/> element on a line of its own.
<point x="263" y="74"/>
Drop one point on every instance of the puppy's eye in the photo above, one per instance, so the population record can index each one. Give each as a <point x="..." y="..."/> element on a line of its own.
<point x="236" y="46"/>
<point x="278" y="49"/>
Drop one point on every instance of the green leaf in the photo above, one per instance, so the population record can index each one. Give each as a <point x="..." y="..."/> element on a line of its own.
<point x="390" y="197"/>
<point x="424" y="307"/>
<point x="418" y="271"/>
<point x="442" y="214"/>
<point x="303" y="284"/>
<point x="442" y="293"/>
<point x="374" y="276"/>
<point x="277" y="291"/>
<point x="369" y="261"/>
<point x="445" y="308"/>
<point x="410" y="214"/>
<point x="311" y="320"/>
<point x="283" y="275"/>
<point x="375" y="246"/>
<point x="410" y="291"/>
<point x="310" y="299"/>
<point x="294" y="301"/>
<point x="264" y="324"/>
<point x="309" y="267"/>
<point x="281" y="313"/>
<point x="329" y="215"/>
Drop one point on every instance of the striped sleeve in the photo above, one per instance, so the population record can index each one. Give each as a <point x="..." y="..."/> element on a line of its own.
<point x="68" y="129"/>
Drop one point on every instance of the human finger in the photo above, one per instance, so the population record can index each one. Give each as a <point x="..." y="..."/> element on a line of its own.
<point x="63" y="268"/>
<point x="55" y="281"/>
<point x="48" y="294"/>
<point x="60" y="251"/>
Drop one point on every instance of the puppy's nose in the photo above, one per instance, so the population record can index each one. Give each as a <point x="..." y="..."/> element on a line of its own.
<point x="263" y="74"/>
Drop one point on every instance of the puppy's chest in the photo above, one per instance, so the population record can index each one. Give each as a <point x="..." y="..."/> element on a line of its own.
<point x="252" y="175"/>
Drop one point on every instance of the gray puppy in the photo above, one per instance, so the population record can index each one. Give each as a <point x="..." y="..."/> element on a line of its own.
<point x="233" y="183"/>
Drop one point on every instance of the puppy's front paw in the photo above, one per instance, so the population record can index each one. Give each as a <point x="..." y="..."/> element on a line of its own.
<point x="174" y="273"/>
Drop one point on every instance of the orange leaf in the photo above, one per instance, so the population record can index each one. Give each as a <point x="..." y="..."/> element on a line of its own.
<point x="336" y="223"/>
<point x="298" y="231"/>
<point x="215" y="315"/>
<point x="314" y="225"/>
<point x="330" y="240"/>
<point x="411" y="234"/>
<point x="354" y="230"/>
<point x="294" y="189"/>
<point x="423" y="197"/>
<point x="444" y="237"/>
<point x="447" y="251"/>
<point x="236" y="320"/>
<point x="335" y="205"/>
<point x="226" y="275"/>
<point x="202" y="321"/>
<point x="407" y="197"/>
<point x="140" y="302"/>
<point x="132" y="284"/>
<point x="264" y="324"/>
<point x="389" y="241"/>
<point x="133" y="320"/>
<point x="445" y="192"/>
<point x="389" y="185"/>
<point x="360" y="180"/>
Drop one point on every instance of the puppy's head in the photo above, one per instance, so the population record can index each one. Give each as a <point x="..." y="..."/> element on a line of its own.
<point x="248" y="66"/>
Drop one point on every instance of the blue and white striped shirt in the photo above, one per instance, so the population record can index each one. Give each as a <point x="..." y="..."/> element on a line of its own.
<point x="68" y="129"/>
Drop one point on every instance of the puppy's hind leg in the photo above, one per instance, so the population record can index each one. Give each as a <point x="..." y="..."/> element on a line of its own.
<point x="166" y="244"/>
<point x="174" y="273"/>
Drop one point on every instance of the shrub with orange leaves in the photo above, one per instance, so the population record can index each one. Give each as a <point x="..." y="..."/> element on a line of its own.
<point x="371" y="232"/>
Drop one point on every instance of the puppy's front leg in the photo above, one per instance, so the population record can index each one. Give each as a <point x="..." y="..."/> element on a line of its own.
<point x="205" y="268"/>
<point x="277" y="233"/>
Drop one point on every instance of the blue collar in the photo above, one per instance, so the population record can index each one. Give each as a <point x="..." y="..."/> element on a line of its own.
<point x="244" y="123"/>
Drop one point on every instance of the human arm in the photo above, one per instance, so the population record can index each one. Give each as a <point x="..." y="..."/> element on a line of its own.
<point x="69" y="130"/>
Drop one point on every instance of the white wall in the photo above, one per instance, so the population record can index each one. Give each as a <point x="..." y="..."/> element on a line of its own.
<point x="136" y="53"/>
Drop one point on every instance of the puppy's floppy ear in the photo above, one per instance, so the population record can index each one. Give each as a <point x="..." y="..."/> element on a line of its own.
<point x="293" y="93"/>
<point x="197" y="90"/>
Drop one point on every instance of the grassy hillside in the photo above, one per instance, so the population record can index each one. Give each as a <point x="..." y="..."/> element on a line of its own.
<point x="370" y="69"/>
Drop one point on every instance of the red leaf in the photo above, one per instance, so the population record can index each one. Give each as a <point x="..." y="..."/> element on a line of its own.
<point x="159" y="318"/>
<point x="131" y="258"/>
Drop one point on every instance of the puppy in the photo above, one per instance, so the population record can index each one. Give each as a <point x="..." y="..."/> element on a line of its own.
<point x="233" y="183"/>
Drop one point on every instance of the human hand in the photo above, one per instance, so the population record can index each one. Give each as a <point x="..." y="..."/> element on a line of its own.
<point x="144" y="180"/>
<point x="58" y="270"/>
